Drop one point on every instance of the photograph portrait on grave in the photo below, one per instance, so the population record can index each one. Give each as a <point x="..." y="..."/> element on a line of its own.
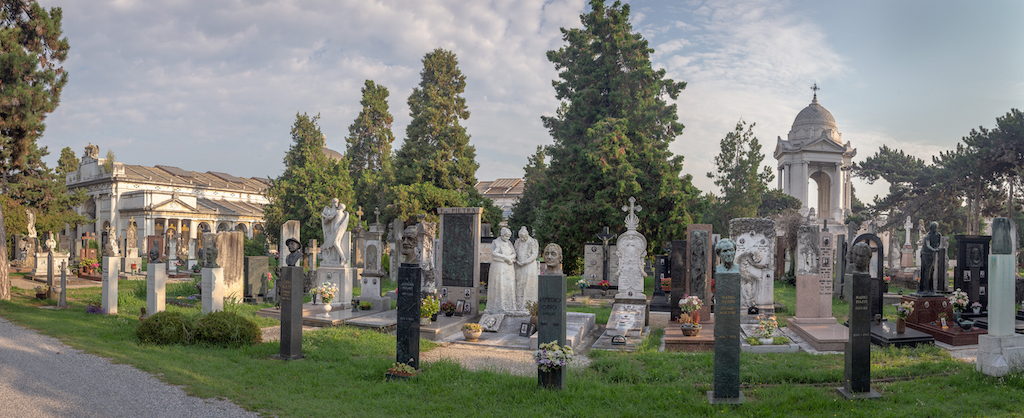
<point x="459" y="306"/>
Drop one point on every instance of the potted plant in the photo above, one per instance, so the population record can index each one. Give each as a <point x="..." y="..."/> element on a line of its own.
<point x="471" y="331"/>
<point x="400" y="371"/>
<point x="41" y="291"/>
<point x="88" y="266"/>
<point x="365" y="305"/>
<point x="903" y="310"/>
<point x="666" y="284"/>
<point x="448" y="308"/>
<point x="689" y="321"/>
<point x="551" y="357"/>
<point x="976" y="307"/>
<point x="428" y="308"/>
<point x="765" y="329"/>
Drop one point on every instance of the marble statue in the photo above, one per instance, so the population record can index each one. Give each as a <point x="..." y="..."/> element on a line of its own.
<point x="631" y="249"/>
<point x="294" y="252"/>
<point x="929" y="253"/>
<point x="726" y="251"/>
<point x="552" y="259"/>
<point x="111" y="249"/>
<point x="31" y="223"/>
<point x="133" y="234"/>
<point x="409" y="244"/>
<point x="860" y="257"/>
<point x="335" y="221"/>
<point x="908" y="226"/>
<point x="501" y="280"/>
<point x="527" y="268"/>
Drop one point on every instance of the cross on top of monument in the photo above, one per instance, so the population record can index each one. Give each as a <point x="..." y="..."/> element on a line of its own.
<point x="359" y="213"/>
<point x="376" y="211"/>
<point x="605" y="236"/>
<point x="632" y="221"/>
<point x="815" y="89"/>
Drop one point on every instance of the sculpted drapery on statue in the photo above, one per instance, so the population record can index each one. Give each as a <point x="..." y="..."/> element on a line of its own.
<point x="929" y="250"/>
<point x="335" y="221"/>
<point x="31" y="223"/>
<point x="501" y="289"/>
<point x="527" y="268"/>
<point x="132" y="234"/>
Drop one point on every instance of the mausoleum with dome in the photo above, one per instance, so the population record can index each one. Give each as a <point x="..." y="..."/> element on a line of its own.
<point x="814" y="151"/>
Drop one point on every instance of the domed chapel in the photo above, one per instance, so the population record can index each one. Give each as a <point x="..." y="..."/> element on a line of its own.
<point x="814" y="150"/>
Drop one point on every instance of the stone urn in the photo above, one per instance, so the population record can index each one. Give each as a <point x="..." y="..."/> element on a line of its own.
<point x="901" y="325"/>
<point x="327" y="308"/>
<point x="690" y="329"/>
<point x="472" y="335"/>
<point x="424" y="321"/>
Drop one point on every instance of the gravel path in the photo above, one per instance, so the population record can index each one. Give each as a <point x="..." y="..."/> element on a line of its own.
<point x="42" y="377"/>
<point x="475" y="357"/>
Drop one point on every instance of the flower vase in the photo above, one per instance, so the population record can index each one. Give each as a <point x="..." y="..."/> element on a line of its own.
<point x="433" y="317"/>
<point x="696" y="316"/>
<point x="425" y="321"/>
<point x="956" y="316"/>
<point x="621" y="328"/>
<point x="977" y="310"/>
<point x="767" y="341"/>
<point x="327" y="309"/>
<point x="901" y="325"/>
<point x="691" y="329"/>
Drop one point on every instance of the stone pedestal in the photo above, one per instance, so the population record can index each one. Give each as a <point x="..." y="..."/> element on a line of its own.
<point x="291" y="312"/>
<point x="551" y="323"/>
<point x="343" y="277"/>
<point x="156" y="282"/>
<point x="1002" y="351"/>
<point x="109" y="292"/>
<point x="213" y="289"/>
<point x="407" y="328"/>
<point x="858" y="349"/>
<point x="726" y="381"/>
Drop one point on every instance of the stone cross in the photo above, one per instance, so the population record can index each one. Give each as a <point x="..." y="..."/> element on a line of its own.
<point x="376" y="211"/>
<point x="606" y="236"/>
<point x="312" y="250"/>
<point x="632" y="209"/>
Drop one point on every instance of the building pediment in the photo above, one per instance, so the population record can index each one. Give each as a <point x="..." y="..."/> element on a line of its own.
<point x="174" y="204"/>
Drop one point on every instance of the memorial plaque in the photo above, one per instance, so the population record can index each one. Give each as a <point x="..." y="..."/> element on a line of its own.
<point x="457" y="264"/>
<point x="593" y="263"/>
<point x="726" y="384"/>
<point x="407" y="332"/>
<point x="291" y="313"/>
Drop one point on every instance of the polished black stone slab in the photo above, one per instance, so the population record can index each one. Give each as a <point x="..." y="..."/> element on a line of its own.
<point x="407" y="329"/>
<point x="551" y="323"/>
<point x="677" y="261"/>
<point x="726" y="384"/>
<point x="884" y="334"/>
<point x="857" y="372"/>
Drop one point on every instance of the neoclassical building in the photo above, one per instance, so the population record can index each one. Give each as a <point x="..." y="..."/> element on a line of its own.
<point x="814" y="150"/>
<point x="163" y="199"/>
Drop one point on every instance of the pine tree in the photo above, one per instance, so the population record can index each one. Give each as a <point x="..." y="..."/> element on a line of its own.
<point x="309" y="182"/>
<point x="526" y="211"/>
<point x="31" y="80"/>
<point x="45" y="191"/>
<point x="369" y="148"/>
<point x="739" y="176"/>
<point x="67" y="163"/>
<point x="611" y="135"/>
<point x="436" y="165"/>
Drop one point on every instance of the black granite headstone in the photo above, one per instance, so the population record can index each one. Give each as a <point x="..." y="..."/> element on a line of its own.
<point x="551" y="323"/>
<point x="407" y="331"/>
<point x="679" y="257"/>
<point x="727" y="339"/>
<point x="839" y="275"/>
<point x="858" y="347"/>
<point x="971" y="271"/>
<point x="49" y="275"/>
<point x="291" y="313"/>
<point x="660" y="301"/>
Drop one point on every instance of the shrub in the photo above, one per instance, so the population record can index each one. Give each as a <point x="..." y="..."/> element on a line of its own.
<point x="167" y="327"/>
<point x="228" y="329"/>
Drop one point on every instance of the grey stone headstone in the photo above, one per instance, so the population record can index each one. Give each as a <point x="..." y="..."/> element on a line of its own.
<point x="291" y="313"/>
<point x="65" y="244"/>
<point x="407" y="331"/>
<point x="858" y="348"/>
<point x="726" y="382"/>
<point x="1002" y="239"/>
<point x="551" y="320"/>
<point x="678" y="259"/>
<point x="256" y="269"/>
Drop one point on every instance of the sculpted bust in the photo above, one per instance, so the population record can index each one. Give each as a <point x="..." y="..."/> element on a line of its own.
<point x="154" y="255"/>
<point x="294" y="252"/>
<point x="553" y="259"/>
<point x="726" y="250"/>
<point x="861" y="257"/>
<point x="409" y="244"/>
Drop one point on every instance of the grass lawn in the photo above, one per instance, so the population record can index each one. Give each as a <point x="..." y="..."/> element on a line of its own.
<point x="343" y="375"/>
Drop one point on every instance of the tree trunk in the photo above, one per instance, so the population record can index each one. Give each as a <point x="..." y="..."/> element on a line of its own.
<point x="5" y="278"/>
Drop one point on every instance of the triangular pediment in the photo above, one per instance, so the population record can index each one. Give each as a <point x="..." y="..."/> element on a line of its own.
<point x="172" y="205"/>
<point x="824" y="144"/>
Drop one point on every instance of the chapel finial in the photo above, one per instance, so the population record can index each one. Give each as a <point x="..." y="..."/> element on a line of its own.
<point x="815" y="88"/>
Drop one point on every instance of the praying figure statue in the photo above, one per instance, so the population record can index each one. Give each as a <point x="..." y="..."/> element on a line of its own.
<point x="929" y="252"/>
<point x="335" y="221"/>
<point x="501" y="280"/>
<point x="527" y="268"/>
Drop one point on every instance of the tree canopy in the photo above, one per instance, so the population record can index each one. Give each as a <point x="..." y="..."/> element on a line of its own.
<point x="738" y="173"/>
<point x="309" y="182"/>
<point x="611" y="136"/>
<point x="369" y="148"/>
<point x="31" y="79"/>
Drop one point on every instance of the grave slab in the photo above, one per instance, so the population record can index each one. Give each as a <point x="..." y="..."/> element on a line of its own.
<point x="156" y="289"/>
<point x="884" y="334"/>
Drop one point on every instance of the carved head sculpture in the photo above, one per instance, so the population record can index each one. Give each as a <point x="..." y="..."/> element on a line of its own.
<point x="726" y="250"/>
<point x="933" y="228"/>
<point x="409" y="244"/>
<point x="211" y="257"/>
<point x="505" y="233"/>
<point x="860" y="254"/>
<point x="524" y="233"/>
<point x="552" y="256"/>
<point x="154" y="254"/>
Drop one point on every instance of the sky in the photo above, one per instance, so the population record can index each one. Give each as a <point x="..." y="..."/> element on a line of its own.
<point x="216" y="85"/>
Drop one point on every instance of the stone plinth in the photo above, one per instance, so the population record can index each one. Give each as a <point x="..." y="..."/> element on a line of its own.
<point x="407" y="331"/>
<point x="551" y="323"/>
<point x="1000" y="354"/>
<point x="340" y="276"/>
<point x="156" y="286"/>
<point x="291" y="312"/>
<point x="213" y="289"/>
<point x="676" y="341"/>
<point x="726" y="381"/>
<point x="109" y="292"/>
<point x="857" y="371"/>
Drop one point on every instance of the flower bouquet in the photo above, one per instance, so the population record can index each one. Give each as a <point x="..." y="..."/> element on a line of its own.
<point x="604" y="285"/>
<point x="552" y="356"/>
<point x="766" y="326"/>
<point x="327" y="291"/>
<point x="904" y="309"/>
<point x="959" y="300"/>
<point x="690" y="305"/>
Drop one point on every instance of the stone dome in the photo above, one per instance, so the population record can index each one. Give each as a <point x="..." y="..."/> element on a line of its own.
<point x="812" y="121"/>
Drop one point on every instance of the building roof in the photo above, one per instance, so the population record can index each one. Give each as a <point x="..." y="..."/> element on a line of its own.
<point x="814" y="117"/>
<point x="501" y="188"/>
<point x="178" y="177"/>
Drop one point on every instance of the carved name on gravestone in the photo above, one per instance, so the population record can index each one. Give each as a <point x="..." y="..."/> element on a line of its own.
<point x="291" y="313"/>
<point x="407" y="331"/>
